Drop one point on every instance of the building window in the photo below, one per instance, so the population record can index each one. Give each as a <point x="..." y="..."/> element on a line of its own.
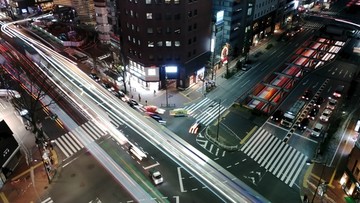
<point x="148" y="1"/>
<point x="177" y="16"/>
<point x="167" y="1"/>
<point x="195" y="12"/>
<point x="189" y="28"/>
<point x="189" y="41"/>
<point x="190" y="14"/>
<point x="150" y="44"/>
<point x="150" y="30"/>
<point x="158" y="16"/>
<point x="129" y="38"/>
<point x="139" y="42"/>
<point x="148" y="15"/>
<point x="168" y="43"/>
<point x="168" y="16"/>
<point x="176" y="1"/>
<point x="177" y="31"/>
<point x="168" y="30"/>
<point x="159" y="43"/>
<point x="195" y="26"/>
<point x="159" y="57"/>
<point x="159" y="30"/>
<point x="151" y="57"/>
<point x="194" y="39"/>
<point x="177" y="43"/>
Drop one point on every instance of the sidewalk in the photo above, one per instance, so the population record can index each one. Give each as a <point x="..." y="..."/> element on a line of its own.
<point x="29" y="177"/>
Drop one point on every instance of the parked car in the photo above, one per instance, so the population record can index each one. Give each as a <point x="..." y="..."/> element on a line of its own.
<point x="307" y="95"/>
<point x="158" y="119"/>
<point x="277" y="116"/>
<point x="94" y="77"/>
<point x="326" y="115"/>
<point x="108" y="87"/>
<point x="134" y="104"/>
<point x="331" y="104"/>
<point x="303" y="124"/>
<point x="313" y="112"/>
<point x="156" y="177"/>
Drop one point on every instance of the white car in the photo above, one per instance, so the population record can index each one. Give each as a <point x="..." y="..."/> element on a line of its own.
<point x="156" y="177"/>
<point x="325" y="115"/>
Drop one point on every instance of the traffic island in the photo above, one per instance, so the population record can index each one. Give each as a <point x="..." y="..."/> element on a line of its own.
<point x="222" y="137"/>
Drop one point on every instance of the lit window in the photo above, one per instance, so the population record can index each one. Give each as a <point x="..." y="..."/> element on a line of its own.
<point x="148" y="1"/>
<point x="148" y="15"/>
<point x="177" y="31"/>
<point x="167" y="1"/>
<point x="159" y="43"/>
<point x="150" y="30"/>
<point x="150" y="44"/>
<point x="176" y="1"/>
<point x="168" y="43"/>
<point x="129" y="38"/>
<point x="177" y="43"/>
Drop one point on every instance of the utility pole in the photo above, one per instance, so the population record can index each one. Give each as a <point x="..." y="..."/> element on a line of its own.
<point x="218" y="124"/>
<point x="166" y="90"/>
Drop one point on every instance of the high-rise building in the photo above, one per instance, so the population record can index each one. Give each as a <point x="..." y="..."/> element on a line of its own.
<point x="165" y="40"/>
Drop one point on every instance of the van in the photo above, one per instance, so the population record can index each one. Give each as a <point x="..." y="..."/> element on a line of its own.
<point x="316" y="132"/>
<point x="338" y="91"/>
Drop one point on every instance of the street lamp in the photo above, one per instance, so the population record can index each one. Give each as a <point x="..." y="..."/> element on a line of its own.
<point x="319" y="182"/>
<point x="218" y="124"/>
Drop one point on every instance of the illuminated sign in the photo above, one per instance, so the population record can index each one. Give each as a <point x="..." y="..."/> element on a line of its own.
<point x="219" y="16"/>
<point x="171" y="69"/>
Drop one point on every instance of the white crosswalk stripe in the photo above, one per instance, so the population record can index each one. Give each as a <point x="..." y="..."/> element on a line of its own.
<point x="210" y="147"/>
<point x="205" y="111"/>
<point x="47" y="200"/>
<point x="69" y="144"/>
<point x="279" y="158"/>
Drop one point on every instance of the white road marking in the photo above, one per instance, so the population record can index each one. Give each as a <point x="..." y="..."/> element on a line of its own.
<point x="180" y="180"/>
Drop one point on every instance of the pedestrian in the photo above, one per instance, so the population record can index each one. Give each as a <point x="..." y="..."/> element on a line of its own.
<point x="139" y="98"/>
<point x="154" y="92"/>
<point x="146" y="102"/>
<point x="132" y="96"/>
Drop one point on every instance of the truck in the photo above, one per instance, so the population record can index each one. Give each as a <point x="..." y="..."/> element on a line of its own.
<point x="291" y="115"/>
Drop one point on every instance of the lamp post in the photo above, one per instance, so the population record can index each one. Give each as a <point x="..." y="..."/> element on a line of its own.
<point x="319" y="182"/>
<point x="218" y="124"/>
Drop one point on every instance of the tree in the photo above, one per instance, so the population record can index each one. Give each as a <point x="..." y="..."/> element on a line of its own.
<point x="36" y="90"/>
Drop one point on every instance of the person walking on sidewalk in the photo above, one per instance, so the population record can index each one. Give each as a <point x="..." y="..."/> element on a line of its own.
<point x="139" y="98"/>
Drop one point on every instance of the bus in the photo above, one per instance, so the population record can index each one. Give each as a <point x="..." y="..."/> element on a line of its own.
<point x="291" y="115"/>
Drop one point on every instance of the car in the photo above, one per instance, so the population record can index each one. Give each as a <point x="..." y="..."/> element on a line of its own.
<point x="133" y="103"/>
<point x="277" y="116"/>
<point x="338" y="91"/>
<point x="316" y="132"/>
<point x="194" y="129"/>
<point x="326" y="115"/>
<point x="158" y="119"/>
<point x="331" y="104"/>
<point x="307" y="95"/>
<point x="156" y="177"/>
<point x="94" y="77"/>
<point x="319" y="101"/>
<point x="108" y="87"/>
<point x="313" y="112"/>
<point x="303" y="124"/>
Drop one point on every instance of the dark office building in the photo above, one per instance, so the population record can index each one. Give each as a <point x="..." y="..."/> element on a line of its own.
<point x="165" y="39"/>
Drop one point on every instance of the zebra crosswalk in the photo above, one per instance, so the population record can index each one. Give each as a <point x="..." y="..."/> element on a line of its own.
<point x="47" y="200"/>
<point x="69" y="143"/>
<point x="205" y="111"/>
<point x="277" y="157"/>
<point x="210" y="147"/>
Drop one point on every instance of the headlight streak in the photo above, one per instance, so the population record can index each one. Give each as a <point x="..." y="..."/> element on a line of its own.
<point x="221" y="180"/>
